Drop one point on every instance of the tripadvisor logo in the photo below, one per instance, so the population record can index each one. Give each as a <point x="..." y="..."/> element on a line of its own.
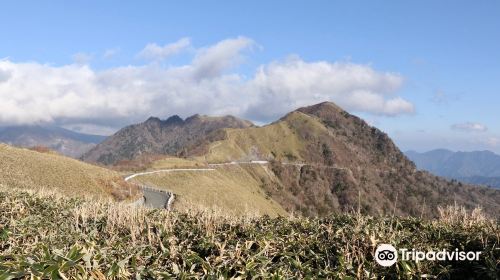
<point x="387" y="255"/>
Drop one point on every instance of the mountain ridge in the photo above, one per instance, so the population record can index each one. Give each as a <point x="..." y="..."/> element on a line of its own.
<point x="156" y="136"/>
<point x="64" y="141"/>
<point x="322" y="160"/>
<point x="479" y="167"/>
<point x="341" y="159"/>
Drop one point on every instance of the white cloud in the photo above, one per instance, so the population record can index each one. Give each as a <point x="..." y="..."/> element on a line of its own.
<point x="470" y="127"/>
<point x="153" y="51"/>
<point x="493" y="141"/>
<point x="82" y="58"/>
<point x="212" y="61"/>
<point x="280" y="86"/>
<point x="91" y="129"/>
<point x="4" y="75"/>
<point x="435" y="139"/>
<point x="76" y="94"/>
<point x="109" y="53"/>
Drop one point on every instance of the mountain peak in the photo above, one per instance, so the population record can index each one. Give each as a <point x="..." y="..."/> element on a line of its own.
<point x="172" y="120"/>
<point x="323" y="106"/>
<point x="194" y="117"/>
<point x="155" y="136"/>
<point x="325" y="111"/>
<point x="152" y="120"/>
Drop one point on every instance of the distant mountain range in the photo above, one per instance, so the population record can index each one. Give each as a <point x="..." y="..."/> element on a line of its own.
<point x="62" y="140"/>
<point x="479" y="167"/>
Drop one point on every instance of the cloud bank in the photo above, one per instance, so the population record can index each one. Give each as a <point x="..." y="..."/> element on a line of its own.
<point x="470" y="127"/>
<point x="153" y="51"/>
<point x="32" y="92"/>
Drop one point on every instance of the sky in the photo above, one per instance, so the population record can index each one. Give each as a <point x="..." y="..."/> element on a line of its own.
<point x="425" y="72"/>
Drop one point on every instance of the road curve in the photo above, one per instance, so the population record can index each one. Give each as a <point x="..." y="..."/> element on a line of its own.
<point x="158" y="198"/>
<point x="167" y="170"/>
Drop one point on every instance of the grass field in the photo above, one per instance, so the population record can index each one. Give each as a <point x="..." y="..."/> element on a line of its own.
<point x="174" y="162"/>
<point x="46" y="236"/>
<point x="27" y="169"/>
<point x="230" y="189"/>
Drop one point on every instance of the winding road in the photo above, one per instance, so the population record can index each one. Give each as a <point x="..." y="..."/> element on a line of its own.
<point x="159" y="198"/>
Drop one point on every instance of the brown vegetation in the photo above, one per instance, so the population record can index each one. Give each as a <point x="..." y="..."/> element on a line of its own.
<point x="42" y="149"/>
<point x="344" y="164"/>
<point x="26" y="169"/>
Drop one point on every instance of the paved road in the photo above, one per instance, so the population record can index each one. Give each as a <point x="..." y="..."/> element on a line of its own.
<point x="158" y="198"/>
<point x="168" y="170"/>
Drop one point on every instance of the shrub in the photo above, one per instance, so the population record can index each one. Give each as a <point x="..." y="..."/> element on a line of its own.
<point x="48" y="236"/>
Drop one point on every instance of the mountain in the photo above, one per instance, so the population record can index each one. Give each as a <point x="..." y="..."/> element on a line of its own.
<point x="481" y="180"/>
<point x="31" y="170"/>
<point x="64" y="141"/>
<point x="479" y="167"/>
<point x="155" y="136"/>
<point x="322" y="160"/>
<point x="326" y="160"/>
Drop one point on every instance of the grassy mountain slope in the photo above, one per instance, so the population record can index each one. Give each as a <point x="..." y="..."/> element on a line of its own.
<point x="26" y="169"/>
<point x="231" y="189"/>
<point x="279" y="140"/>
<point x="347" y="164"/>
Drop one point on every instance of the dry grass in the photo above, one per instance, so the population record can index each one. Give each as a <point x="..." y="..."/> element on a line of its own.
<point x="102" y="240"/>
<point x="142" y="162"/>
<point x="459" y="215"/>
<point x="230" y="188"/>
<point x="174" y="162"/>
<point x="275" y="141"/>
<point x="26" y="169"/>
<point x="152" y="162"/>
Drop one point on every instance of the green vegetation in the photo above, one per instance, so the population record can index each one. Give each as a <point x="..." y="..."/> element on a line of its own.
<point x="48" y="236"/>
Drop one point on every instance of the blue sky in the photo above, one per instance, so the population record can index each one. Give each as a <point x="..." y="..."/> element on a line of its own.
<point x="442" y="58"/>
